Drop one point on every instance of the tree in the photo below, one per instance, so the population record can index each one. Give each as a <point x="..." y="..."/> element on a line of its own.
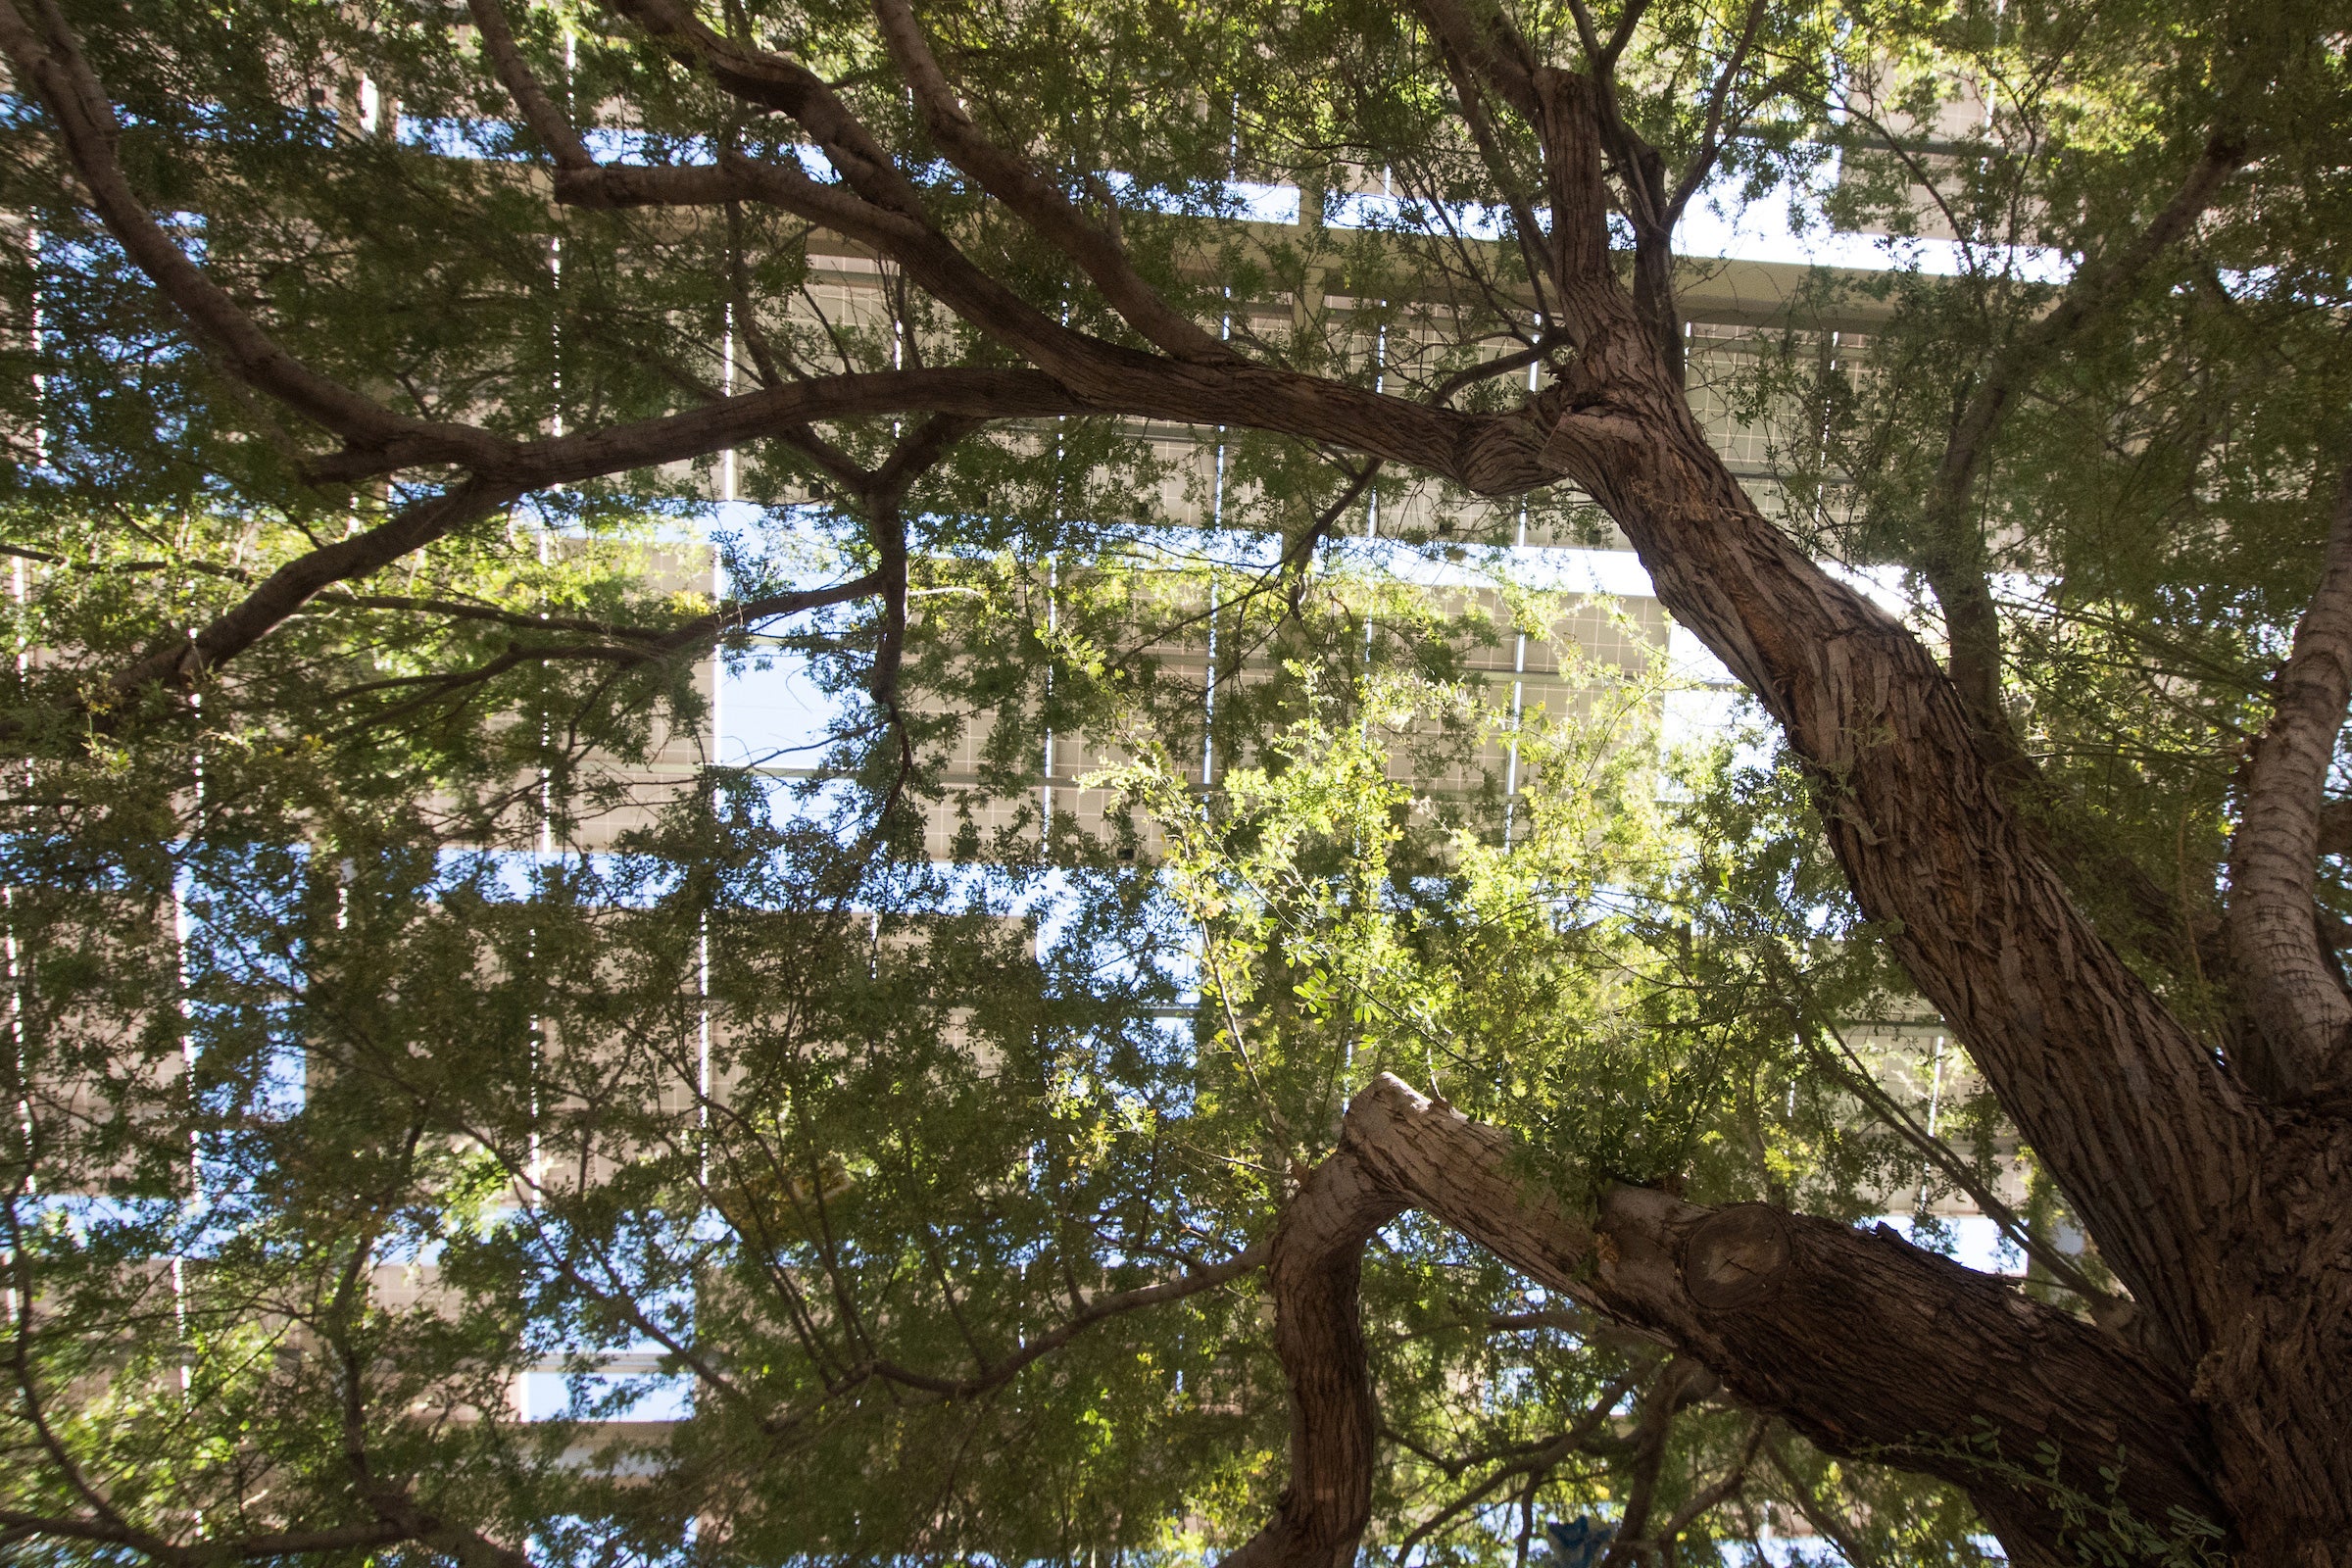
<point x="377" y="276"/>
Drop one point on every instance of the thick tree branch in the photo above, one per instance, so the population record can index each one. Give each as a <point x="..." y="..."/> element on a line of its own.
<point x="1010" y="179"/>
<point x="539" y="112"/>
<point x="723" y="423"/>
<point x="2102" y="1079"/>
<point x="1312" y="1274"/>
<point x="1864" y="1343"/>
<point x="17" y="1525"/>
<point x="885" y="208"/>
<point x="1482" y="37"/>
<point x="53" y="69"/>
<point x="2301" y="1011"/>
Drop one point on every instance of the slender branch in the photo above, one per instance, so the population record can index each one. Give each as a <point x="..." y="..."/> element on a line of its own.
<point x="1502" y="365"/>
<point x="1954" y="561"/>
<point x="1865" y="1087"/>
<point x="1679" y="1383"/>
<point x="452" y="609"/>
<point x="1099" y="1310"/>
<point x="689" y="639"/>
<point x="2300" y="1007"/>
<point x="889" y="535"/>
<point x="29" y="1397"/>
<point x="1542" y="1458"/>
<point x="1714" y="1493"/>
<point x="286" y="590"/>
<point x="1710" y="140"/>
<point x="1294" y="560"/>
<point x="1525" y="228"/>
<point x="492" y="615"/>
<point x="1820" y="1516"/>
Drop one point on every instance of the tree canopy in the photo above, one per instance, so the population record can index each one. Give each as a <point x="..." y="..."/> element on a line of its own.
<point x="1185" y="1064"/>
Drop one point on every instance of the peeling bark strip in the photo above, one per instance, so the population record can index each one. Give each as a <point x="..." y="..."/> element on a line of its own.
<point x="1867" y="1345"/>
<point x="2301" y="1011"/>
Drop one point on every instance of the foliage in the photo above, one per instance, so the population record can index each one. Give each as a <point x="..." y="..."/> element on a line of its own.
<point x="432" y="1060"/>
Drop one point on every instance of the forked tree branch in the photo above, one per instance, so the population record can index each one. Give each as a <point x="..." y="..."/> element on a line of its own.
<point x="1010" y="179"/>
<point x="1542" y="1457"/>
<point x="878" y="491"/>
<point x="1713" y="1494"/>
<point x="1103" y="1309"/>
<point x="876" y="203"/>
<point x="280" y="596"/>
<point x="2299" y="1005"/>
<point x="1526" y="230"/>
<point x="2100" y="1077"/>
<point x="1712" y="133"/>
<point x="1679" y="1383"/>
<point x="1482" y="37"/>
<point x="1861" y="1341"/>
<point x="689" y="640"/>
<point x="1488" y="454"/>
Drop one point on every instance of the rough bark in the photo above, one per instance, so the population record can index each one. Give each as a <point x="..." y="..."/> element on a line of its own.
<point x="2221" y="1209"/>
<point x="1862" y="1343"/>
<point x="2299" y="1005"/>
<point x="2224" y="1216"/>
<point x="2134" y="1115"/>
<point x="1312" y="1276"/>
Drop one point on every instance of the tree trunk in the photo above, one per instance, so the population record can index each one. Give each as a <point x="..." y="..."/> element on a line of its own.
<point x="2228" y="1219"/>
